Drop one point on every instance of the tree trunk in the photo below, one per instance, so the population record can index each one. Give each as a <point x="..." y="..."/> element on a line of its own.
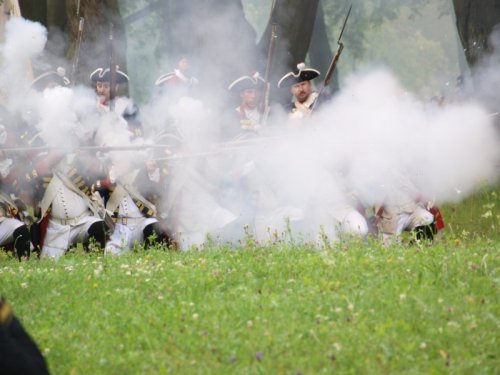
<point x="475" y="22"/>
<point x="213" y="33"/>
<point x="295" y="20"/>
<point x="102" y="18"/>
<point x="35" y="10"/>
<point x="61" y="21"/>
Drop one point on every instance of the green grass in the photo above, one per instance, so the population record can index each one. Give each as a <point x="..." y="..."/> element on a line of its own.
<point x="355" y="308"/>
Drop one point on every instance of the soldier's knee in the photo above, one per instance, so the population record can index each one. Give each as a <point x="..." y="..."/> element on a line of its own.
<point x="355" y="224"/>
<point x="22" y="241"/>
<point x="98" y="233"/>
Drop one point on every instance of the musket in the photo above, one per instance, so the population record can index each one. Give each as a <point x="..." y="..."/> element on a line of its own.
<point x="85" y="148"/>
<point x="267" y="74"/>
<point x="218" y="145"/>
<point x="79" y="39"/>
<point x="112" y="71"/>
<point x="333" y="64"/>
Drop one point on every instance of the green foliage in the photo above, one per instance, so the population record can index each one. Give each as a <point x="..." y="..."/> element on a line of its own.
<point x="412" y="38"/>
<point x="416" y="39"/>
<point x="257" y="13"/>
<point x="146" y="48"/>
<point x="477" y="216"/>
<point x="351" y="308"/>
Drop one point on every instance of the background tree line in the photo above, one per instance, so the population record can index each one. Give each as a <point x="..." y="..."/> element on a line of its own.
<point x="216" y="33"/>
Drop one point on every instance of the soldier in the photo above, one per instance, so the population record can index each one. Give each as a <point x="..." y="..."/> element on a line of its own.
<point x="19" y="353"/>
<point x="249" y="89"/>
<point x="120" y="105"/>
<point x="130" y="195"/>
<point x="14" y="232"/>
<point x="301" y="88"/>
<point x="67" y="208"/>
<point x="51" y="79"/>
<point x="123" y="106"/>
<point x="403" y="210"/>
<point x="178" y="80"/>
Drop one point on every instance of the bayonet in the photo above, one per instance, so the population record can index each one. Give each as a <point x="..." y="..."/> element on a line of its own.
<point x="333" y="64"/>
<point x="267" y="74"/>
<point x="112" y="71"/>
<point x="79" y="39"/>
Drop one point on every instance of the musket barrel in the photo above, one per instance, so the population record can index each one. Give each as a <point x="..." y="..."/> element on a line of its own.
<point x="333" y="64"/>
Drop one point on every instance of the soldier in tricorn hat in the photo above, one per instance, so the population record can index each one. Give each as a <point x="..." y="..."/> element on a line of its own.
<point x="249" y="89"/>
<point x="300" y="86"/>
<point x="178" y="82"/>
<point x="51" y="79"/>
<point x="121" y="105"/>
<point x="101" y="78"/>
<point x="179" y="76"/>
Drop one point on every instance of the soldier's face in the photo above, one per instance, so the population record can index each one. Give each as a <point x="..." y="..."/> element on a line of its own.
<point x="103" y="89"/>
<point x="249" y="98"/>
<point x="301" y="91"/>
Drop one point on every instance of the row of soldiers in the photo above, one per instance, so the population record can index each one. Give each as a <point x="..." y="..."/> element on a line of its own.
<point x="406" y="210"/>
<point x="53" y="200"/>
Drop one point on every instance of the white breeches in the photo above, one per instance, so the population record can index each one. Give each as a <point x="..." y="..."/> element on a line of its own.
<point x="354" y="224"/>
<point x="7" y="227"/>
<point x="60" y="237"/>
<point x="126" y="234"/>
<point x="417" y="218"/>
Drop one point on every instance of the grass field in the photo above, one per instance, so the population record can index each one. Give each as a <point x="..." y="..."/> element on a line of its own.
<point x="354" y="308"/>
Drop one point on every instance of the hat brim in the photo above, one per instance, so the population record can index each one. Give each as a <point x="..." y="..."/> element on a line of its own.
<point x="46" y="79"/>
<point x="247" y="83"/>
<point x="291" y="78"/>
<point x="104" y="75"/>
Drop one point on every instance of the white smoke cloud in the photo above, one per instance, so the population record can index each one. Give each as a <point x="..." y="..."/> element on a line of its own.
<point x="24" y="40"/>
<point x="372" y="140"/>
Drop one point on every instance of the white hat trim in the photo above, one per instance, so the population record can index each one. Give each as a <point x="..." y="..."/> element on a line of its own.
<point x="301" y="67"/>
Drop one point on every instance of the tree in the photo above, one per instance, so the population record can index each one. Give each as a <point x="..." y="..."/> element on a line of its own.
<point x="215" y="34"/>
<point x="61" y="21"/>
<point x="295" y="21"/>
<point x="475" y="22"/>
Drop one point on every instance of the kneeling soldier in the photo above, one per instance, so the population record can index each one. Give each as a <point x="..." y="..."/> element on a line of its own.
<point x="135" y="214"/>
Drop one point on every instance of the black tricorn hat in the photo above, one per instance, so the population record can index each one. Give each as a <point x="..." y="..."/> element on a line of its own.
<point x="51" y="78"/>
<point x="254" y="81"/>
<point x="175" y="78"/>
<point x="104" y="75"/>
<point x="303" y="74"/>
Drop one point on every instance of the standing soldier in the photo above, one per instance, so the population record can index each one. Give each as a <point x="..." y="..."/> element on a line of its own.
<point x="249" y="89"/>
<point x="301" y="88"/>
<point x="121" y="105"/>
<point x="177" y="82"/>
<point x="50" y="79"/>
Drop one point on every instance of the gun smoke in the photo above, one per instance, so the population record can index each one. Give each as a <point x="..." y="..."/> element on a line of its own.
<point x="373" y="138"/>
